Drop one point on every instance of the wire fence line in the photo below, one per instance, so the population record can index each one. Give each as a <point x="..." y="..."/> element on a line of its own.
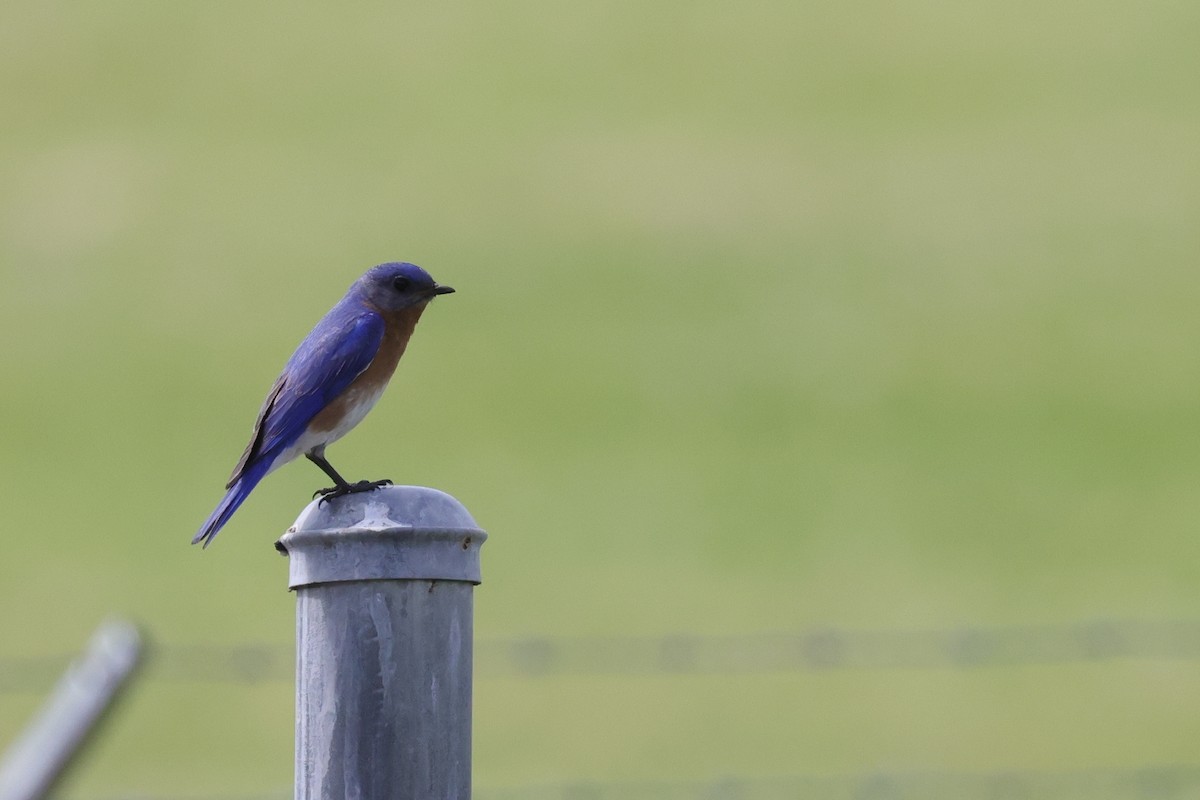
<point x="815" y="650"/>
<point x="1155" y="782"/>
<point x="1163" y="781"/>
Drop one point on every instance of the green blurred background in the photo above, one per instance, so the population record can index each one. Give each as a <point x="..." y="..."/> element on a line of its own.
<point x="771" y="316"/>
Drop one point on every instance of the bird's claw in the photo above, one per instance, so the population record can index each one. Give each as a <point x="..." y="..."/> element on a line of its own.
<point x="349" y="488"/>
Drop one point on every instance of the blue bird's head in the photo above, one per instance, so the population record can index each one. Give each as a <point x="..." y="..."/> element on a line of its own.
<point x="398" y="285"/>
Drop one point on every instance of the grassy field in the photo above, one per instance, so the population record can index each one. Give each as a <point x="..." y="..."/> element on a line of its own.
<point x="771" y="316"/>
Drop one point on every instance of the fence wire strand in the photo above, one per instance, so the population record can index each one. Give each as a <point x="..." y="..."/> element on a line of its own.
<point x="815" y="650"/>
<point x="1160" y="782"/>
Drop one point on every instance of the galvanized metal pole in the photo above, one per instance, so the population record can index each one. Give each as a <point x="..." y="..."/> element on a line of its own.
<point x="86" y="692"/>
<point x="384" y="585"/>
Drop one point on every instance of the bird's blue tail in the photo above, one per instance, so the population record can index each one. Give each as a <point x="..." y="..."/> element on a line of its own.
<point x="236" y="495"/>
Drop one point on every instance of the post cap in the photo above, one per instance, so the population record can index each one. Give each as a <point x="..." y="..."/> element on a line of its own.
<point x="391" y="533"/>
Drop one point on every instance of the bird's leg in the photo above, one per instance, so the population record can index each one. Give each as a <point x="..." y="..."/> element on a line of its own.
<point x="341" y="486"/>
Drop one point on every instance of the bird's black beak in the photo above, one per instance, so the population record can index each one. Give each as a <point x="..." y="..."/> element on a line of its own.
<point x="443" y="290"/>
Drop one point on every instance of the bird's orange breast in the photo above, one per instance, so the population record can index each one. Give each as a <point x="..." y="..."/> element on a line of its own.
<point x="348" y="408"/>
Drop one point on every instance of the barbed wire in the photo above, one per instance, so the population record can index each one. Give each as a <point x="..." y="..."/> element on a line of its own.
<point x="1159" y="782"/>
<point x="815" y="650"/>
<point x="1156" y="782"/>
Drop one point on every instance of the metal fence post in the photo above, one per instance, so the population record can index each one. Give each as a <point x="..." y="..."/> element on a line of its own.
<point x="87" y="691"/>
<point x="384" y="583"/>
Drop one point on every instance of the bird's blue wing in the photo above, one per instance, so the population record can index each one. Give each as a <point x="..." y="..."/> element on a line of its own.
<point x="335" y="353"/>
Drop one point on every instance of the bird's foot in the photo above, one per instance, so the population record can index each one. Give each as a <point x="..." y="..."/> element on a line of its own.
<point x="350" y="488"/>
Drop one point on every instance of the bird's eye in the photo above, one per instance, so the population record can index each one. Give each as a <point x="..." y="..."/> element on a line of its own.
<point x="401" y="284"/>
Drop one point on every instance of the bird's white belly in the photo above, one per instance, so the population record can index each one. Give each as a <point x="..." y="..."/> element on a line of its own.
<point x="358" y="404"/>
<point x="357" y="407"/>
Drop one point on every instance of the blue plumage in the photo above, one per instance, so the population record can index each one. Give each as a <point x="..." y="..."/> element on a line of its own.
<point x="336" y="352"/>
<point x="332" y="380"/>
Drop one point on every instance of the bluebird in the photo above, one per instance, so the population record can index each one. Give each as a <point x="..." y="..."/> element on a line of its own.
<point x="330" y="383"/>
